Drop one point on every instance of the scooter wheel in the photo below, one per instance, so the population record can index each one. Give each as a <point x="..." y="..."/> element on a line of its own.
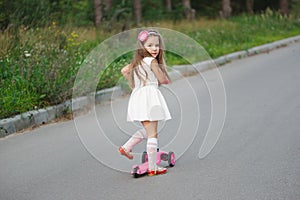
<point x="144" y="157"/>
<point x="171" y="159"/>
<point x="135" y="174"/>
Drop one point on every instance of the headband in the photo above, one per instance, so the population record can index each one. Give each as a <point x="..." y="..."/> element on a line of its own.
<point x="143" y="35"/>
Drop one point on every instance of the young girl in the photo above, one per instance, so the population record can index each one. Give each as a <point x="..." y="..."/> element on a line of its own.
<point x="146" y="104"/>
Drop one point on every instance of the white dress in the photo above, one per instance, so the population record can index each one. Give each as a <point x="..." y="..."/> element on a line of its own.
<point x="146" y="101"/>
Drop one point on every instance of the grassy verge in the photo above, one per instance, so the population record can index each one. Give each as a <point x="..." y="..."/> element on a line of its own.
<point x="38" y="66"/>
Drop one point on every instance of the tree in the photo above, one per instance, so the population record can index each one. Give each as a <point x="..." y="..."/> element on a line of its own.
<point x="226" y="9"/>
<point x="168" y="4"/>
<point x="284" y="7"/>
<point x="98" y="12"/>
<point x="249" y="6"/>
<point x="137" y="6"/>
<point x="188" y="11"/>
<point x="107" y="4"/>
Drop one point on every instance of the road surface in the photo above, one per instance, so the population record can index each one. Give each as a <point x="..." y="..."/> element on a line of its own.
<point x="256" y="157"/>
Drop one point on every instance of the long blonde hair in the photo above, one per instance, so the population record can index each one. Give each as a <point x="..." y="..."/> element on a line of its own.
<point x="141" y="53"/>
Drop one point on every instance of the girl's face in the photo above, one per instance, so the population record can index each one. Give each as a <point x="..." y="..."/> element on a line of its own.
<point x="152" y="46"/>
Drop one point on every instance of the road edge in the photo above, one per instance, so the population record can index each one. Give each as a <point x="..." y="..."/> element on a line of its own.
<point x="39" y="117"/>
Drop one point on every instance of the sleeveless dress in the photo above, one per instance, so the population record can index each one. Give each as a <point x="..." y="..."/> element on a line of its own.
<point x="146" y="102"/>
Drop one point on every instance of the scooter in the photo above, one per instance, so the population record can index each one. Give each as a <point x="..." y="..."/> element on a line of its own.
<point x="142" y="169"/>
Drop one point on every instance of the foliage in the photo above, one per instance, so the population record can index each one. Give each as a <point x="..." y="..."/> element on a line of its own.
<point x="111" y="75"/>
<point x="120" y="15"/>
<point x="237" y="33"/>
<point x="295" y="8"/>
<point x="38" y="65"/>
<point x="24" y="12"/>
<point x="79" y="13"/>
<point x="36" y="13"/>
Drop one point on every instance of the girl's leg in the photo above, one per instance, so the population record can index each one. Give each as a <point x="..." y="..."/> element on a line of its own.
<point x="151" y="129"/>
<point x="134" y="140"/>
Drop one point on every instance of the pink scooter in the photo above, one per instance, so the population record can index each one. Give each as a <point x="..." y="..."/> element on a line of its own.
<point x="142" y="169"/>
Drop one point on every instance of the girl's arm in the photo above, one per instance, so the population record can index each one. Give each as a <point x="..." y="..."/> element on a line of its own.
<point x="126" y="71"/>
<point x="161" y="77"/>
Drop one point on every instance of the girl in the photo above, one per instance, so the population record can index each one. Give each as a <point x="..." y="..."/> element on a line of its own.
<point x="146" y="104"/>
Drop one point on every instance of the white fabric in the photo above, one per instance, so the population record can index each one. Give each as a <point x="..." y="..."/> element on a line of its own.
<point x="146" y="101"/>
<point x="152" y="152"/>
<point x="135" y="139"/>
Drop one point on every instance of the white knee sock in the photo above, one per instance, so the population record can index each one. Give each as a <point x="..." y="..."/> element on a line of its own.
<point x="152" y="152"/>
<point x="135" y="139"/>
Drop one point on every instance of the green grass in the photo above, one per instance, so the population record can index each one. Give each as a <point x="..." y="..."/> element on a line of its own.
<point x="38" y="66"/>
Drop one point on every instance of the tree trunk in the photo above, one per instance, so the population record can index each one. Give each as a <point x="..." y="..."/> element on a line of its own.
<point x="249" y="6"/>
<point x="98" y="12"/>
<point x="168" y="5"/>
<point x="284" y="7"/>
<point x="188" y="11"/>
<point x="107" y="4"/>
<point x="226" y="9"/>
<point x="137" y="11"/>
<point x="186" y="4"/>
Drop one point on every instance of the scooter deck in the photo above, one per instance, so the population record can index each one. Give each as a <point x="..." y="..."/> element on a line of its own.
<point x="142" y="169"/>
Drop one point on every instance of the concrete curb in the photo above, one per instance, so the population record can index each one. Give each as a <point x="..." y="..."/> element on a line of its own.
<point x="42" y="116"/>
<point x="205" y="65"/>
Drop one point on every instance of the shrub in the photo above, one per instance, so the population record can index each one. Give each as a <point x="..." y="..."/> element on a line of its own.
<point x="38" y="66"/>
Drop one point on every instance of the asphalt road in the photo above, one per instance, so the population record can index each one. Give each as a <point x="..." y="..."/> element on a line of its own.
<point x="256" y="157"/>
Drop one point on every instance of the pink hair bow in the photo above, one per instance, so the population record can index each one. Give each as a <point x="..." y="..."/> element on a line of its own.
<point x="143" y="36"/>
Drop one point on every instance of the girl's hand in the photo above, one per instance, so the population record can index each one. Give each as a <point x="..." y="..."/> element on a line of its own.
<point x="166" y="81"/>
<point x="126" y="71"/>
<point x="161" y="77"/>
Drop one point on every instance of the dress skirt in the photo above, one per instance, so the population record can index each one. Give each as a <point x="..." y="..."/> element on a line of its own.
<point x="147" y="104"/>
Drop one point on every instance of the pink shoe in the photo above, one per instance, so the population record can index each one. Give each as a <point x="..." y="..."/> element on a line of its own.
<point x="124" y="152"/>
<point x="158" y="171"/>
